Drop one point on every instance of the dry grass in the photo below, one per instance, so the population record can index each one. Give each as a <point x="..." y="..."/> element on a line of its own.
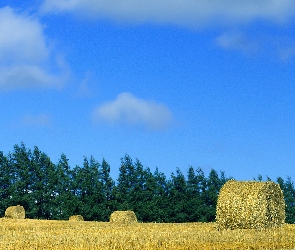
<point x="62" y="235"/>
<point x="15" y="212"/>
<point x="123" y="217"/>
<point x="76" y="218"/>
<point x="250" y="205"/>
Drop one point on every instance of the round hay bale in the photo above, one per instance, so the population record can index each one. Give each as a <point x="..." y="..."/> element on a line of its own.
<point x="123" y="217"/>
<point x="15" y="212"/>
<point x="250" y="205"/>
<point x="76" y="218"/>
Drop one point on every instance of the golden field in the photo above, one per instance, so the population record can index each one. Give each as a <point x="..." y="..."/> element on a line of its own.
<point x="42" y="234"/>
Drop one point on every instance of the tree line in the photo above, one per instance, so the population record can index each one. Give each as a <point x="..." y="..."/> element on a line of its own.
<point x="57" y="191"/>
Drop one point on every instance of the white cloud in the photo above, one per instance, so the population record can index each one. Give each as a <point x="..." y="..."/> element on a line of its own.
<point x="25" y="57"/>
<point x="192" y="13"/>
<point x="21" y="38"/>
<point x="130" y="110"/>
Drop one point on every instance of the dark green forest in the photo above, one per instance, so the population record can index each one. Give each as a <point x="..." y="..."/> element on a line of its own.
<point x="57" y="191"/>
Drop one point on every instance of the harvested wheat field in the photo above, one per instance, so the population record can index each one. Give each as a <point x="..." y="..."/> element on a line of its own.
<point x="62" y="235"/>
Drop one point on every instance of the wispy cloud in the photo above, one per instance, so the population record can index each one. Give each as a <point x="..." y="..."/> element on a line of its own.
<point x="84" y="89"/>
<point x="130" y="110"/>
<point x="192" y="13"/>
<point x="228" y="15"/>
<point x="237" y="41"/>
<point x="36" y="120"/>
<point x="25" y="57"/>
<point x="286" y="52"/>
<point x="285" y="46"/>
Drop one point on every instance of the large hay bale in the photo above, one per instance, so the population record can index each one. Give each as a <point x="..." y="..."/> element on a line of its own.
<point x="250" y="205"/>
<point x="76" y="218"/>
<point x="123" y="217"/>
<point x="15" y="212"/>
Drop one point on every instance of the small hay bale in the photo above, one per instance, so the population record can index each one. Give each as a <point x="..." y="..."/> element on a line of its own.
<point x="15" y="212"/>
<point x="76" y="218"/>
<point x="123" y="217"/>
<point x="250" y="205"/>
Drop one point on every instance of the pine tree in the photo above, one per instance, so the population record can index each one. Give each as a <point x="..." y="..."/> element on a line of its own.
<point x="214" y="184"/>
<point x="5" y="183"/>
<point x="136" y="190"/>
<point x="108" y="204"/>
<point x="178" y="197"/>
<point x="194" y="200"/>
<point x="289" y="196"/>
<point x="142" y="193"/>
<point x="148" y="207"/>
<point x="90" y="189"/>
<point x="125" y="184"/>
<point x="42" y="173"/>
<point x="65" y="201"/>
<point x="20" y="161"/>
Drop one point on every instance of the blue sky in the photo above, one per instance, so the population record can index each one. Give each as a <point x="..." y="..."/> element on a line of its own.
<point x="173" y="83"/>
